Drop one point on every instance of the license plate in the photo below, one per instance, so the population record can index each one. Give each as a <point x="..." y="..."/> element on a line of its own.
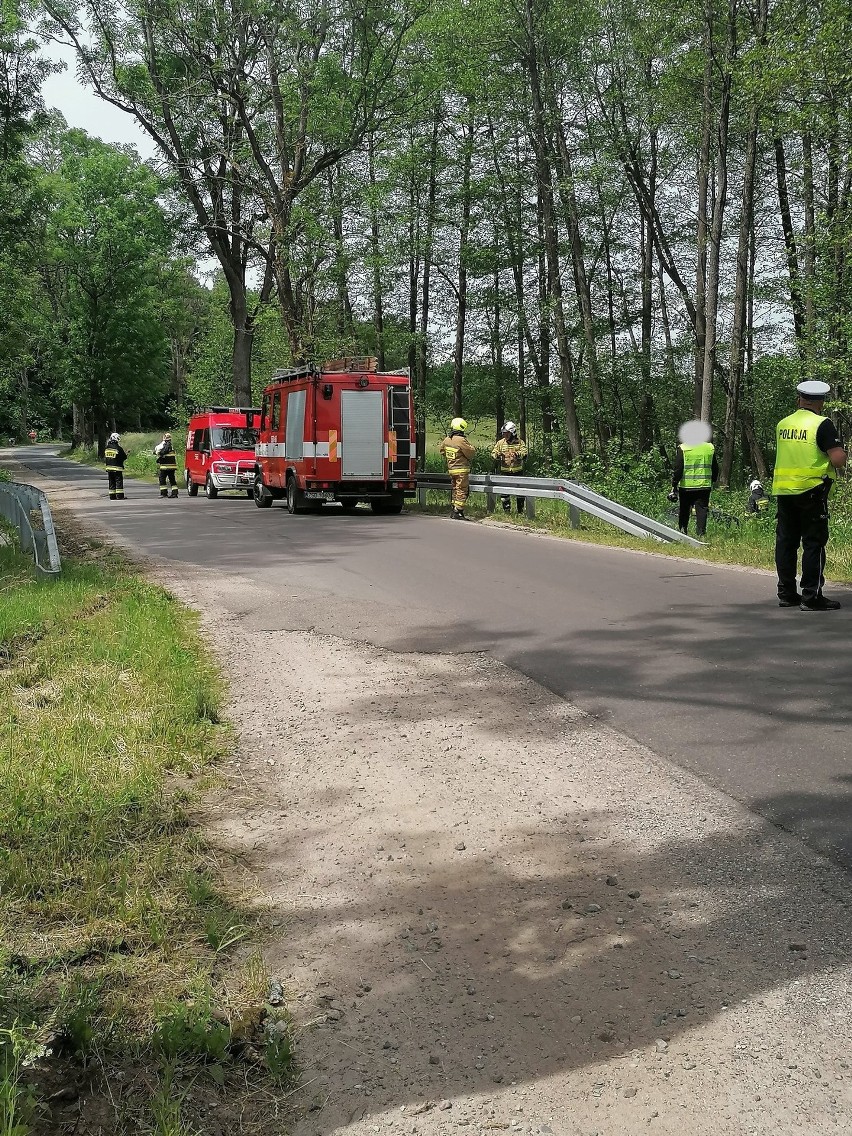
<point x="319" y="494"/>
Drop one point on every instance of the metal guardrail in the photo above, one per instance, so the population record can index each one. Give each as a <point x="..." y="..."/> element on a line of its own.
<point x="579" y="498"/>
<point x="18" y="504"/>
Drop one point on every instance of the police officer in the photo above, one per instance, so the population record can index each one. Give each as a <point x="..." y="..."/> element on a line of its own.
<point x="458" y="451"/>
<point x="166" y="466"/>
<point x="510" y="453"/>
<point x="695" y="471"/>
<point x="114" y="459"/>
<point x="808" y="451"/>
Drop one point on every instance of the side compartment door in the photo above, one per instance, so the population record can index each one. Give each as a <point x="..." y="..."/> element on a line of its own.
<point x="295" y="445"/>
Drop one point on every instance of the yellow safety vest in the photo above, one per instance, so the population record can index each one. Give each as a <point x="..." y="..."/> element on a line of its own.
<point x="800" y="464"/>
<point x="697" y="466"/>
<point x="510" y="455"/>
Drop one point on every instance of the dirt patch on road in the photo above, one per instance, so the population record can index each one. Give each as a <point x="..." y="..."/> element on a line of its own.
<point x="490" y="911"/>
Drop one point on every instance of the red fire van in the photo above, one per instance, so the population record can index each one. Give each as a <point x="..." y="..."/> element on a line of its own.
<point x="341" y="432"/>
<point x="220" y="445"/>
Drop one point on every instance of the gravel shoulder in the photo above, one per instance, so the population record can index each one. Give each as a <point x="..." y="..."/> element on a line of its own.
<point x="490" y="911"/>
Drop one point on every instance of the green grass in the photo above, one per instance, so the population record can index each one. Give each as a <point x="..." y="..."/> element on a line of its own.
<point x="116" y="926"/>
<point x="750" y="543"/>
<point x="139" y="448"/>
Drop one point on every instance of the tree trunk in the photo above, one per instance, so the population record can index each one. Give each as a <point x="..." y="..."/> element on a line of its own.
<point x="497" y="347"/>
<point x="703" y="204"/>
<point x="789" y="240"/>
<point x="423" y="338"/>
<point x="809" y="247"/>
<point x="375" y="245"/>
<point x="740" y="301"/>
<point x="464" y="230"/>
<point x="720" y="197"/>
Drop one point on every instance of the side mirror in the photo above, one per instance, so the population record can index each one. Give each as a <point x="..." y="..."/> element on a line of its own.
<point x="250" y="419"/>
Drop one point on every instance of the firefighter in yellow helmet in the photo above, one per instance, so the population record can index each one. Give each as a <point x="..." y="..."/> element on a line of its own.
<point x="808" y="451"/>
<point x="458" y="451"/>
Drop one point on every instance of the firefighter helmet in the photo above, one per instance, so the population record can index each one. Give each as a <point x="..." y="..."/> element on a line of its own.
<point x="458" y="424"/>
<point x="509" y="428"/>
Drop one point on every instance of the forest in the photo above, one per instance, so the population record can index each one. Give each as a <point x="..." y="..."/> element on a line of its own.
<point x="599" y="220"/>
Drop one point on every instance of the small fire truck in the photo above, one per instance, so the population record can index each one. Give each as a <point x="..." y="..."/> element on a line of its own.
<point x="343" y="432"/>
<point x="220" y="443"/>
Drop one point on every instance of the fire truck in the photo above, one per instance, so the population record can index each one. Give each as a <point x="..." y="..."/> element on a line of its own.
<point x="341" y="432"/>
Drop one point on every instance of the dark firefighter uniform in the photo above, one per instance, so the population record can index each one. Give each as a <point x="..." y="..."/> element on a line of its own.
<point x="695" y="470"/>
<point x="510" y="454"/>
<point x="806" y="454"/>
<point x="114" y="459"/>
<point x="167" y="467"/>
<point x="458" y="451"/>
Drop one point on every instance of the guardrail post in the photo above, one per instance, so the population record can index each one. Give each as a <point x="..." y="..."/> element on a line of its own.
<point x="529" y="508"/>
<point x="421" y="497"/>
<point x="574" y="516"/>
<point x="490" y="499"/>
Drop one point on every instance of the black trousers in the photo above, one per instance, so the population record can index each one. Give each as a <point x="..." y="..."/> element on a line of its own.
<point x="506" y="502"/>
<point x="802" y="520"/>
<point x="168" y="477"/>
<point x="115" y="479"/>
<point x="700" y="498"/>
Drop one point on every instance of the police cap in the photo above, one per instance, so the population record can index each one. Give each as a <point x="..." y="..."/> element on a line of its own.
<point x="813" y="388"/>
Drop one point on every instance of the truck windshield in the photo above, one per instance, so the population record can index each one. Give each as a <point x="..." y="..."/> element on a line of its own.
<point x="233" y="438"/>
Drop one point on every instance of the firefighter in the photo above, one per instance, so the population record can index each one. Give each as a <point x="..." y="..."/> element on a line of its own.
<point x="757" y="502"/>
<point x="166" y="466"/>
<point x="808" y="451"/>
<point x="114" y="459"/>
<point x="695" y="471"/>
<point x="510" y="454"/>
<point x="458" y="451"/>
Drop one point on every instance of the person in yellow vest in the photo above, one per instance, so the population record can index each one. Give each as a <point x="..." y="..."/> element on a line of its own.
<point x="808" y="451"/>
<point x="114" y="459"/>
<point x="510" y="454"/>
<point x="166" y="466"/>
<point x="695" y="471"/>
<point x="458" y="451"/>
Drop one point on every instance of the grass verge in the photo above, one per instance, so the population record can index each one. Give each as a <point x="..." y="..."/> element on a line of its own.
<point x="126" y="971"/>
<point x="741" y="540"/>
<point x="141" y="462"/>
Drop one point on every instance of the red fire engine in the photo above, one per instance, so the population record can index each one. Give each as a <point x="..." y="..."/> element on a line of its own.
<point x="343" y="432"/>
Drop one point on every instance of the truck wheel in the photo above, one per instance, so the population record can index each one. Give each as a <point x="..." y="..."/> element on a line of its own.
<point x="210" y="489"/>
<point x="191" y="486"/>
<point x="262" y="496"/>
<point x="295" y="498"/>
<point x="386" y="506"/>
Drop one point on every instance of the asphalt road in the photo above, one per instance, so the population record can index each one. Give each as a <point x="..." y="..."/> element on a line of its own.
<point x="695" y="661"/>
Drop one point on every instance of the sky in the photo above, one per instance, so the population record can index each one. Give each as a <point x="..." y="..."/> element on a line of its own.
<point x="82" y="108"/>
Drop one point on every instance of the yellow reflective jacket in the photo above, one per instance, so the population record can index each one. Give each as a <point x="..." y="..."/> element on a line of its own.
<point x="510" y="455"/>
<point x="800" y="464"/>
<point x="458" y="451"/>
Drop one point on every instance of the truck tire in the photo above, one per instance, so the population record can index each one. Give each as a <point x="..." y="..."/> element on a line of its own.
<point x="387" y="505"/>
<point x="295" y="497"/>
<point x="191" y="486"/>
<point x="262" y="496"/>
<point x="210" y="490"/>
